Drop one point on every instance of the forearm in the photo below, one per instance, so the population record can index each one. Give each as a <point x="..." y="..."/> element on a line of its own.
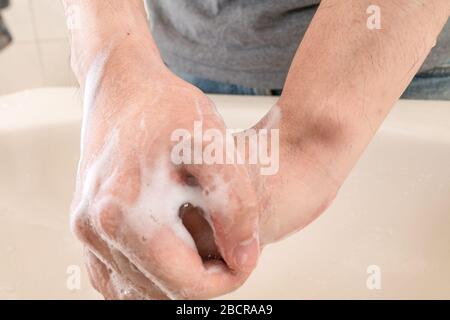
<point x="106" y="25"/>
<point x="345" y="77"/>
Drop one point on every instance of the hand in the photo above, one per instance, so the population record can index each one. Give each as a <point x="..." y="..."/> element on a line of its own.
<point x="126" y="208"/>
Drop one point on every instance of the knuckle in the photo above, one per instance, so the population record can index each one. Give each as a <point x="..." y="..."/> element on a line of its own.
<point x="109" y="219"/>
<point x="80" y="225"/>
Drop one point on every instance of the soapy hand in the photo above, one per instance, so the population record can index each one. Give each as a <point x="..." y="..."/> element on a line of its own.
<point x="133" y="206"/>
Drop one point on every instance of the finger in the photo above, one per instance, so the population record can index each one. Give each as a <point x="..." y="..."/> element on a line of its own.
<point x="176" y="266"/>
<point x="233" y="211"/>
<point x="112" y="258"/>
<point x="137" y="279"/>
<point x="157" y="216"/>
<point x="161" y="253"/>
<point x="149" y="232"/>
<point x="107" y="281"/>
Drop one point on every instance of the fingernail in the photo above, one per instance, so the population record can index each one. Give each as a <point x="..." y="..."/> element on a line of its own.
<point x="246" y="255"/>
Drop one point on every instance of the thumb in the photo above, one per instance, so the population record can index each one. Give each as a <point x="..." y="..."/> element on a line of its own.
<point x="232" y="211"/>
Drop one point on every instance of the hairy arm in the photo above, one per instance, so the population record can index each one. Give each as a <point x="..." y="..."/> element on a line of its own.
<point x="346" y="77"/>
<point x="342" y="83"/>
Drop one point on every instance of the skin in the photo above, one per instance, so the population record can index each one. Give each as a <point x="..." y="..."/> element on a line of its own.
<point x="340" y="87"/>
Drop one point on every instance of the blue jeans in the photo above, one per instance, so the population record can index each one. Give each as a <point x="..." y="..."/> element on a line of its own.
<point x="433" y="85"/>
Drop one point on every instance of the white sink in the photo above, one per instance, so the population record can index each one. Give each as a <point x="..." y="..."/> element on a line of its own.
<point x="392" y="213"/>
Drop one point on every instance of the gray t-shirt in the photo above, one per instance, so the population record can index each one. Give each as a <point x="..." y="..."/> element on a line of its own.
<point x="245" y="42"/>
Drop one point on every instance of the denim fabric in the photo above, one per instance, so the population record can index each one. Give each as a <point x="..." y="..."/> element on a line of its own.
<point x="433" y="85"/>
<point x="211" y="86"/>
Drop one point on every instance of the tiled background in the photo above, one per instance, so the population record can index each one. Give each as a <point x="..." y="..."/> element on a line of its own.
<point x="39" y="55"/>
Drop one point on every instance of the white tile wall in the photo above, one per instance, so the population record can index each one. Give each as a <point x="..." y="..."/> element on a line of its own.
<point x="56" y="63"/>
<point x="39" y="55"/>
<point x="20" y="67"/>
<point x="18" y="17"/>
<point x="49" y="19"/>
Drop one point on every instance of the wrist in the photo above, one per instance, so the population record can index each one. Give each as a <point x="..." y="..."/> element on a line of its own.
<point x="120" y="47"/>
<point x="101" y="27"/>
<point x="310" y="134"/>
